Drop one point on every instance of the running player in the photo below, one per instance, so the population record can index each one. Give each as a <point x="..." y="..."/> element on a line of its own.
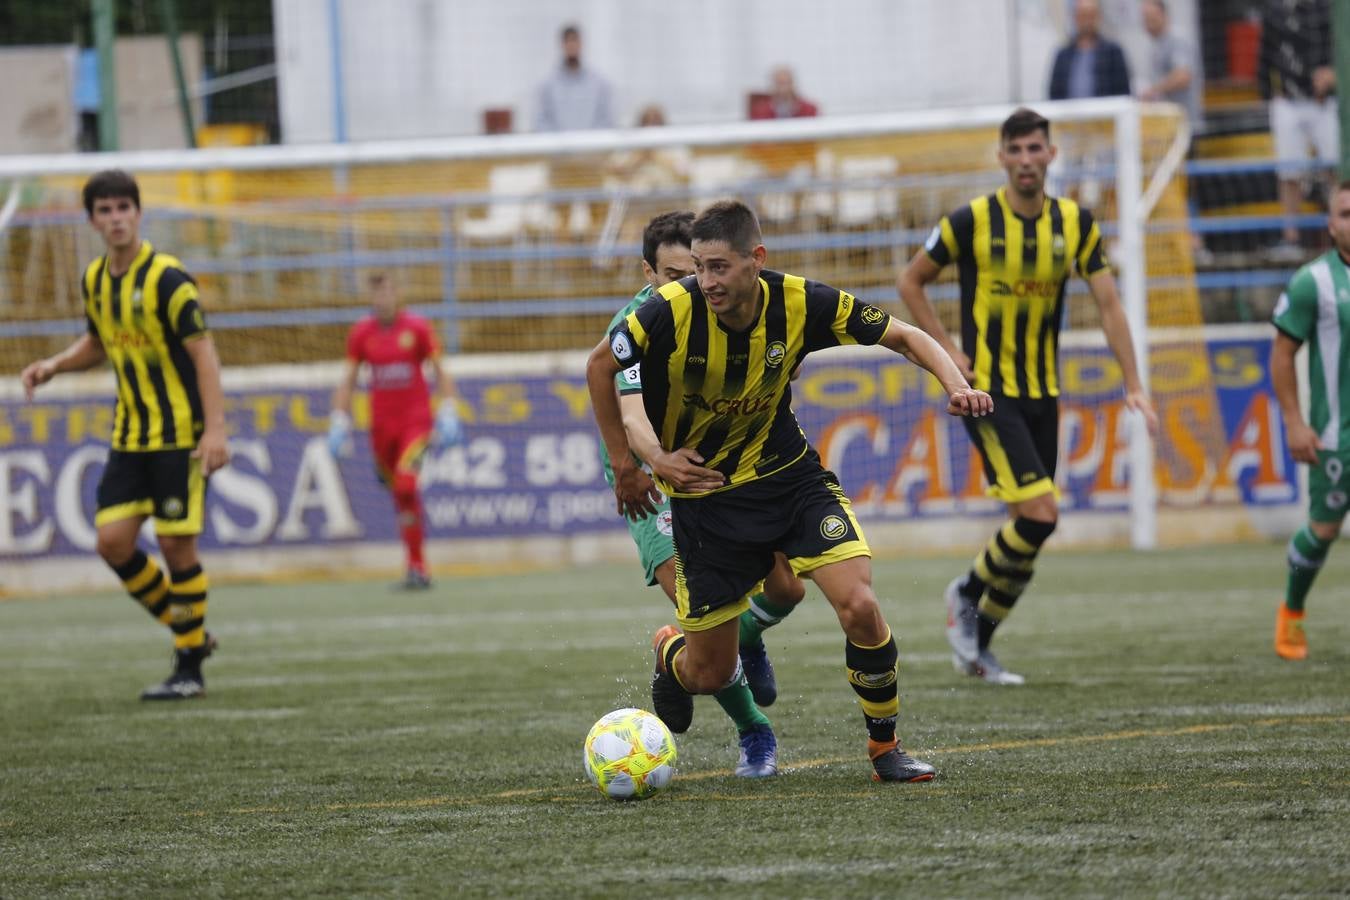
<point x="1015" y="250"/>
<point x="717" y="351"/>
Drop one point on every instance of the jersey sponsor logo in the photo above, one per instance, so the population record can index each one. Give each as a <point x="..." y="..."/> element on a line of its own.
<point x="130" y="340"/>
<point x="695" y="361"/>
<point x="845" y="301"/>
<point x="871" y="315"/>
<point x="619" y="346"/>
<point x="774" y="354"/>
<point x="722" y="406"/>
<point x="832" y="528"/>
<point x="934" y="238"/>
<point x="633" y="375"/>
<point x="391" y="375"/>
<point x="1024" y="287"/>
<point x="664" y="524"/>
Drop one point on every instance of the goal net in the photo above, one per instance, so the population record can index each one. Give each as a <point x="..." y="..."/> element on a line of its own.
<point x="520" y="247"/>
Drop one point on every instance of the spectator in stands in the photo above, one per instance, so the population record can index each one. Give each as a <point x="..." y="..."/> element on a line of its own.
<point x="1297" y="77"/>
<point x="1089" y="65"/>
<point x="782" y="101"/>
<point x="1173" y="66"/>
<point x="573" y="97"/>
<point x="1173" y="76"/>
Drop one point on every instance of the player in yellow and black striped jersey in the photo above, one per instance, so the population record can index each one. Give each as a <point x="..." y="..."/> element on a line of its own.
<point x="168" y="436"/>
<point x="1014" y="251"/>
<point x="717" y="351"/>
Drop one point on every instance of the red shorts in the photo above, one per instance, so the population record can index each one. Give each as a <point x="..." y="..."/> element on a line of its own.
<point x="398" y="445"/>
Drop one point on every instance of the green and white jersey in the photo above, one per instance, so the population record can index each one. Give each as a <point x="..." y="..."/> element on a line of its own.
<point x="1315" y="309"/>
<point x="629" y="380"/>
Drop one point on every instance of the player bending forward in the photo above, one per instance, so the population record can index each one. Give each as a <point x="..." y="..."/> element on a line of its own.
<point x="665" y="258"/>
<point x="717" y="351"/>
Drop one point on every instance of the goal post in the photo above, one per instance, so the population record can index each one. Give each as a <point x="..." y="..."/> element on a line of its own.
<point x="522" y="245"/>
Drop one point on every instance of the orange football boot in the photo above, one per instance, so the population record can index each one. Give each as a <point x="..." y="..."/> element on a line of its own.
<point x="1290" y="640"/>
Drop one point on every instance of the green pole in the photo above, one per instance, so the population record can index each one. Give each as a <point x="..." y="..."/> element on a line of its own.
<point x="105" y="34"/>
<point x="169" y="11"/>
<point x="1340" y="30"/>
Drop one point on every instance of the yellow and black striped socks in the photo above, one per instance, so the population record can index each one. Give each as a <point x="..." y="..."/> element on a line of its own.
<point x="1005" y="566"/>
<point x="871" y="674"/>
<point x="145" y="582"/>
<point x="188" y="608"/>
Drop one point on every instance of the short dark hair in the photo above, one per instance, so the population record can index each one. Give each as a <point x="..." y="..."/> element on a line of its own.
<point x="570" y="31"/>
<point x="110" y="183"/>
<point x="1160" y="4"/>
<point x="731" y="221"/>
<point x="1023" y="121"/>
<point x="667" y="228"/>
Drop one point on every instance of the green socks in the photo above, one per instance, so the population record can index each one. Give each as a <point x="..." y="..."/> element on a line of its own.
<point x="761" y="615"/>
<point x="1307" y="552"/>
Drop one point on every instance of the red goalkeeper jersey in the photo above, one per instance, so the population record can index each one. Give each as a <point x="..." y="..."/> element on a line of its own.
<point x="395" y="353"/>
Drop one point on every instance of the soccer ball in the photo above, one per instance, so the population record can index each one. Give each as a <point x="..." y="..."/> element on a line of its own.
<point x="629" y="754"/>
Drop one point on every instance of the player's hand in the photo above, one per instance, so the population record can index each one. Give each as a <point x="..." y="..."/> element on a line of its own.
<point x="1140" y="403"/>
<point x="35" y="374"/>
<point x="339" y="428"/>
<point x="449" y="432"/>
<point x="212" y="450"/>
<point x="682" y="469"/>
<point x="969" y="402"/>
<point x="1303" y="443"/>
<point x="635" y="491"/>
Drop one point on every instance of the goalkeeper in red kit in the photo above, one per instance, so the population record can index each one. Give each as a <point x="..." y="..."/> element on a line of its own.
<point x="396" y="346"/>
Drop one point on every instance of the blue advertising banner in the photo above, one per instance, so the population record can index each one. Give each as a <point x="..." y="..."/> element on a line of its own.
<point x="530" y="463"/>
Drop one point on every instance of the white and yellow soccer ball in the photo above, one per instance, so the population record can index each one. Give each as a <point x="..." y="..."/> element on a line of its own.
<point x="629" y="754"/>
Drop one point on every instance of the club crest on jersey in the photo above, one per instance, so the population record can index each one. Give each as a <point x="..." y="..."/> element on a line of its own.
<point x="1057" y="245"/>
<point x="871" y="315"/>
<point x="405" y="340"/>
<point x="774" y="354"/>
<point x="137" y="297"/>
<point x="173" y="507"/>
<point x="664" y="524"/>
<point x="833" y="528"/>
<point x="1336" y="499"/>
<point x="619" y="346"/>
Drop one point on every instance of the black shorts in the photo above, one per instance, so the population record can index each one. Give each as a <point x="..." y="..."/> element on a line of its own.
<point x="725" y="541"/>
<point x="166" y="484"/>
<point x="1019" y="444"/>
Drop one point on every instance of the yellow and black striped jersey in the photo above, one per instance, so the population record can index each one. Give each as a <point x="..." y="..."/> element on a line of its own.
<point x="1013" y="272"/>
<point x="143" y="318"/>
<point x="727" y="394"/>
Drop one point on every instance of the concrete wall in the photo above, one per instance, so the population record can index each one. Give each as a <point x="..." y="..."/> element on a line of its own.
<point x="413" y="68"/>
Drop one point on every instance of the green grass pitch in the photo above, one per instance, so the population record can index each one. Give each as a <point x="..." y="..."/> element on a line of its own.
<point x="359" y="741"/>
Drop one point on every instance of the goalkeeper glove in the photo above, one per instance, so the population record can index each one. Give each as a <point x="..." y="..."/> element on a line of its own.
<point x="339" y="429"/>
<point x="449" y="432"/>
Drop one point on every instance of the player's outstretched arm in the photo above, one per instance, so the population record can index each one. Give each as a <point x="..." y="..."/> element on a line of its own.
<point x="212" y="448"/>
<point x="1298" y="434"/>
<point x="84" y="353"/>
<point x="1116" y="327"/>
<point x="919" y="348"/>
<point x="634" y="490"/>
<point x="912" y="285"/>
<point x="681" y="468"/>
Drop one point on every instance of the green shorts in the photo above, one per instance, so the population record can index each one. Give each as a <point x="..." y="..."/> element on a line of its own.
<point x="654" y="538"/>
<point x="1329" y="486"/>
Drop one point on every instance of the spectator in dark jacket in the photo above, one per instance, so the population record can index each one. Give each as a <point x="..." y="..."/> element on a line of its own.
<point x="1089" y="65"/>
